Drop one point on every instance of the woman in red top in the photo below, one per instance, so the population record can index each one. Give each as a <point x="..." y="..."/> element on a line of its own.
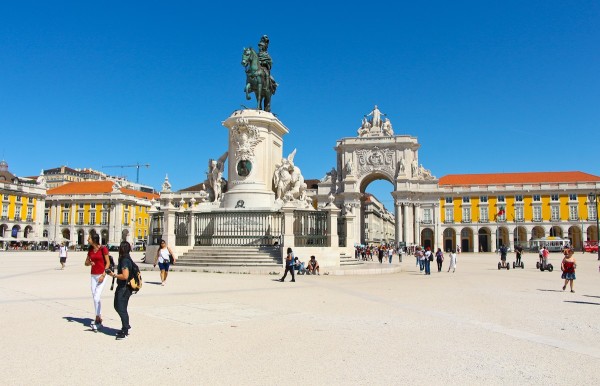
<point x="97" y="258"/>
<point x="568" y="266"/>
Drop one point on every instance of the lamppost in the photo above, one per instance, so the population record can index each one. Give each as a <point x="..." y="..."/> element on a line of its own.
<point x="593" y="197"/>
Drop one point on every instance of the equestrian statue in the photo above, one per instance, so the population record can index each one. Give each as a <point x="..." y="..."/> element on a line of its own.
<point x="258" y="74"/>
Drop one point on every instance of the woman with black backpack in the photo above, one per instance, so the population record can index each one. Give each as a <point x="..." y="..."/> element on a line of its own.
<point x="439" y="258"/>
<point x="123" y="291"/>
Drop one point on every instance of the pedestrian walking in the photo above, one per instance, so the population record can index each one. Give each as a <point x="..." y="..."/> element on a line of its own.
<point x="428" y="259"/>
<point x="289" y="265"/>
<point x="568" y="266"/>
<point x="390" y="254"/>
<point x="164" y="257"/>
<point x="439" y="258"/>
<point x="62" y="255"/>
<point x="420" y="258"/>
<point x="123" y="291"/>
<point x="380" y="254"/>
<point x="97" y="259"/>
<point x="452" y="261"/>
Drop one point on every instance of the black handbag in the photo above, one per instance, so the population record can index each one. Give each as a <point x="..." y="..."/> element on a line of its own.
<point x="171" y="259"/>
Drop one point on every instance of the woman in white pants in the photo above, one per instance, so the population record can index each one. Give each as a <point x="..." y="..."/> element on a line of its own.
<point x="97" y="258"/>
<point x="452" y="262"/>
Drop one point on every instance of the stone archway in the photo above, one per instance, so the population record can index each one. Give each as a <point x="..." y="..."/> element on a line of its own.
<point x="520" y="236"/>
<point x="485" y="239"/>
<point x="538" y="232"/>
<point x="556" y="231"/>
<point x="377" y="154"/>
<point x="449" y="239"/>
<point x="502" y="237"/>
<point x="427" y="238"/>
<point x="576" y="237"/>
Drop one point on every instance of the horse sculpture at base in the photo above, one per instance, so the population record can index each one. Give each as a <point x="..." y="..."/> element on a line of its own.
<point x="258" y="80"/>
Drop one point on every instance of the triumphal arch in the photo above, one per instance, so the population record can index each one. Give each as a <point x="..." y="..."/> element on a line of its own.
<point x="376" y="153"/>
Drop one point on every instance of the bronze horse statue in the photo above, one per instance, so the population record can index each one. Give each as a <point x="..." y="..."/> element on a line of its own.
<point x="258" y="80"/>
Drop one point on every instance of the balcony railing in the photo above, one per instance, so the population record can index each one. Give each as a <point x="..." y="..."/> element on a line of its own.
<point x="17" y="218"/>
<point x="576" y="218"/>
<point x="92" y="223"/>
<point x="426" y="222"/>
<point x="64" y="223"/>
<point x="484" y="220"/>
<point x="448" y="221"/>
<point x="467" y="221"/>
<point x="29" y="219"/>
<point x="4" y="218"/>
<point x="500" y="220"/>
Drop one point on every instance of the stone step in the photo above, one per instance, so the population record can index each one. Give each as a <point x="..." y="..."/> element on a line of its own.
<point x="231" y="257"/>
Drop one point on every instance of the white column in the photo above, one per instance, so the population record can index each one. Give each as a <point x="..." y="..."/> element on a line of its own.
<point x="398" y="225"/>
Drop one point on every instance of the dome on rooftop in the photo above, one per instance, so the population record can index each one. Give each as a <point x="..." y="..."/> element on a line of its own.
<point x="3" y="166"/>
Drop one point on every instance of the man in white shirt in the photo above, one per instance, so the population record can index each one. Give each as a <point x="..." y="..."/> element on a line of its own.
<point x="62" y="255"/>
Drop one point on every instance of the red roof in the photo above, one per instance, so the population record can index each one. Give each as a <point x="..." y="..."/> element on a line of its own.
<point x="517" y="178"/>
<point x="97" y="187"/>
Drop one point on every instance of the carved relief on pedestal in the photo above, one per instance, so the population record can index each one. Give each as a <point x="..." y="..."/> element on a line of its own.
<point x="375" y="159"/>
<point x="245" y="138"/>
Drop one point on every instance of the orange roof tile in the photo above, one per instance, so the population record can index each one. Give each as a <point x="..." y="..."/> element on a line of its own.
<point x="517" y="178"/>
<point x="97" y="187"/>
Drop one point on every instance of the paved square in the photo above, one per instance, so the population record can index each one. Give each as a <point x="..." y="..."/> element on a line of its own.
<point x="476" y="326"/>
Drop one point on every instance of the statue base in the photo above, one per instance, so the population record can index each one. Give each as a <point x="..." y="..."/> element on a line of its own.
<point x="255" y="148"/>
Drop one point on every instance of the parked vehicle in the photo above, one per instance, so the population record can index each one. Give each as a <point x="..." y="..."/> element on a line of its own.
<point x="591" y="246"/>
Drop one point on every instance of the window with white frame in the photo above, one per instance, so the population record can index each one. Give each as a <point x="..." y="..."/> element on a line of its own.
<point x="537" y="213"/>
<point x="104" y="217"/>
<point x="573" y="213"/>
<point x="66" y="206"/>
<point x="31" y="200"/>
<point x="519" y="198"/>
<point x="5" y="211"/>
<point x="537" y="198"/>
<point x="554" y="197"/>
<point x="519" y="213"/>
<point x="93" y="206"/>
<point x="449" y="215"/>
<point x="466" y="214"/>
<point x="591" y="212"/>
<point x="572" y="197"/>
<point x="484" y="215"/>
<point x="93" y="218"/>
<point x="555" y="213"/>
<point x="65" y="217"/>
<point x="17" y="212"/>
<point x="81" y="206"/>
<point x="483" y="199"/>
<point x="427" y="216"/>
<point x="466" y="199"/>
<point x="18" y="198"/>
<point x="126" y="221"/>
<point x="448" y="200"/>
<point x="501" y="199"/>
<point x="80" y="218"/>
<point x="29" y="213"/>
<point x="46" y="218"/>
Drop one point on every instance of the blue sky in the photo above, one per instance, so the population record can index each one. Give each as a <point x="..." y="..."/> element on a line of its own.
<point x="486" y="86"/>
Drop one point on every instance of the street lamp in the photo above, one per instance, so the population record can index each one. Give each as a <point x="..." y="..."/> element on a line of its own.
<point x="593" y="197"/>
<point x="108" y="205"/>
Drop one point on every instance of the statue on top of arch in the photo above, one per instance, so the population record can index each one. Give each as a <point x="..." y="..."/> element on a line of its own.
<point x="373" y="125"/>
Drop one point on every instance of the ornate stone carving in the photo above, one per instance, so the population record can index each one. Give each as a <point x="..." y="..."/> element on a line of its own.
<point x="349" y="167"/>
<point x="375" y="159"/>
<point x="41" y="180"/>
<point x="166" y="185"/>
<point x="288" y="179"/>
<point x="215" y="177"/>
<point x="425" y="174"/>
<point x="246" y="137"/>
<point x="373" y="126"/>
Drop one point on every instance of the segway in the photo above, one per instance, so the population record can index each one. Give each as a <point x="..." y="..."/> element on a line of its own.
<point x="546" y="267"/>
<point x="521" y="265"/>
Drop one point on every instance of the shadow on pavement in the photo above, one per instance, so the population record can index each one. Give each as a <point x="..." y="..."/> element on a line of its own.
<point x="580" y="302"/>
<point x="153" y="282"/>
<point x="86" y="323"/>
<point x="547" y="290"/>
<point x="592" y="296"/>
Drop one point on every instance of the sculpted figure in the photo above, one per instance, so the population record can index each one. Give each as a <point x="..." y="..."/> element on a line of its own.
<point x="387" y="127"/>
<point x="376" y="114"/>
<point x="215" y="176"/>
<point x="413" y="167"/>
<point x="401" y="166"/>
<point x="349" y="167"/>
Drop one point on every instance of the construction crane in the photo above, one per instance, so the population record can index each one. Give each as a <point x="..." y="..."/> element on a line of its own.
<point x="137" y="166"/>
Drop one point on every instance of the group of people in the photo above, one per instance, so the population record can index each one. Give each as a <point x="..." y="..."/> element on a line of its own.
<point x="100" y="263"/>
<point x="425" y="256"/>
<point x="293" y="265"/>
<point x="382" y="252"/>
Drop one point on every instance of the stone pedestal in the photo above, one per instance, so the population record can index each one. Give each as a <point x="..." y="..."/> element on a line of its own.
<point x="255" y="148"/>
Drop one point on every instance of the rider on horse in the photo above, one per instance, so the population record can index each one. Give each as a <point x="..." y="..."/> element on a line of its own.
<point x="266" y="62"/>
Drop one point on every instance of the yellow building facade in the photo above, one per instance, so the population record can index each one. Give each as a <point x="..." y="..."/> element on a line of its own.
<point x="22" y="201"/>
<point x="481" y="212"/>
<point x="74" y="210"/>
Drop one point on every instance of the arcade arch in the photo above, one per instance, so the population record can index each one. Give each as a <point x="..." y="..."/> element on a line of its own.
<point x="537" y="232"/>
<point x="556" y="231"/>
<point x="466" y="240"/>
<point x="485" y="239"/>
<point x="427" y="238"/>
<point x="592" y="233"/>
<point x="449" y="239"/>
<point x="520" y="235"/>
<point x="575" y="237"/>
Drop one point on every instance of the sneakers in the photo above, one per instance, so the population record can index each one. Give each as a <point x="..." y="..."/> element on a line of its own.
<point x="122" y="335"/>
<point x="94" y="327"/>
